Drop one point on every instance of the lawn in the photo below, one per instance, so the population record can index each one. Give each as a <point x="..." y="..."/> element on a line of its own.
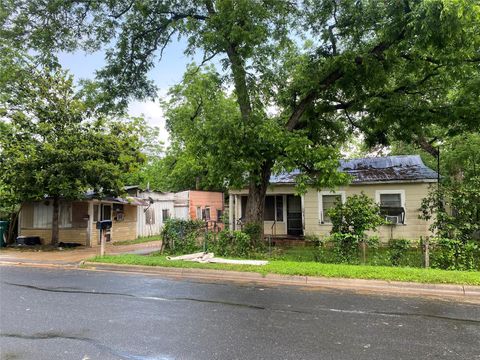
<point x="305" y="268"/>
<point x="139" y="240"/>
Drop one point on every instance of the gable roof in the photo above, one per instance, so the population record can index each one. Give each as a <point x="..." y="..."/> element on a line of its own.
<point x="404" y="168"/>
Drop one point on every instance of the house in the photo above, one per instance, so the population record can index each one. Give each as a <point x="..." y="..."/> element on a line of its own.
<point x="397" y="183"/>
<point x="77" y="219"/>
<point x="160" y="207"/>
<point x="200" y="205"/>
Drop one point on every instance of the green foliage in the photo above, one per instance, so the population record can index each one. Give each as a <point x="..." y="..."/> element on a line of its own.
<point x="54" y="145"/>
<point x="345" y="247"/>
<point x="387" y="69"/>
<point x="351" y="220"/>
<point x="357" y="215"/>
<point x="232" y="243"/>
<point x="454" y="209"/>
<point x="397" y="251"/>
<point x="182" y="236"/>
<point x="437" y="276"/>
<point x="459" y="154"/>
<point x="454" y="254"/>
<point x="255" y="233"/>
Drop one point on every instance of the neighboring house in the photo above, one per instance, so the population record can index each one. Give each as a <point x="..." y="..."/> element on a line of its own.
<point x="397" y="183"/>
<point x="160" y="207"/>
<point x="200" y="205"/>
<point x="77" y="219"/>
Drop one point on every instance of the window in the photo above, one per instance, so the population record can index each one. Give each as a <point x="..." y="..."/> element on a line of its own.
<point x="165" y="214"/>
<point x="279" y="207"/>
<point x="392" y="205"/>
<point x="273" y="208"/>
<point x="219" y="215"/>
<point x="243" y="204"/>
<point x="150" y="216"/>
<point x="269" y="208"/>
<point x="207" y="214"/>
<point x="326" y="201"/>
<point x="199" y="213"/>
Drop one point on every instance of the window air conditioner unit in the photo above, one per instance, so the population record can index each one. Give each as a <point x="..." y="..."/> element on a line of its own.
<point x="392" y="219"/>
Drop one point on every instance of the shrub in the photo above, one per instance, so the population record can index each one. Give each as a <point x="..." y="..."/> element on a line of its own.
<point x="397" y="252"/>
<point x="232" y="243"/>
<point x="255" y="234"/>
<point x="453" y="254"/>
<point x="356" y="216"/>
<point x="182" y="236"/>
<point x="345" y="247"/>
<point x="351" y="221"/>
<point x="314" y="240"/>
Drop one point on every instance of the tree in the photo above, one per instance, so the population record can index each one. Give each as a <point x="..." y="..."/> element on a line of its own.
<point x="55" y="146"/>
<point x="147" y="175"/>
<point x="459" y="155"/>
<point x="351" y="220"/>
<point x="385" y="68"/>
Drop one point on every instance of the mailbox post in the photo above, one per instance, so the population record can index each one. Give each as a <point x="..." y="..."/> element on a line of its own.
<point x="103" y="225"/>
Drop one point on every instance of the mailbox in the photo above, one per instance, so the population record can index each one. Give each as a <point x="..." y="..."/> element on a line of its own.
<point x="104" y="224"/>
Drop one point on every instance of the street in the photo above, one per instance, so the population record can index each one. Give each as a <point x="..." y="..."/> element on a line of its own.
<point x="79" y="314"/>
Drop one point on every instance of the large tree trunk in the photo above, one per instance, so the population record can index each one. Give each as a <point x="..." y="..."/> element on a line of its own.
<point x="256" y="201"/>
<point x="11" y="227"/>
<point x="56" y="210"/>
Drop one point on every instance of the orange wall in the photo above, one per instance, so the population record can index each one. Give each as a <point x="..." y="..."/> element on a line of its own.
<point x="213" y="200"/>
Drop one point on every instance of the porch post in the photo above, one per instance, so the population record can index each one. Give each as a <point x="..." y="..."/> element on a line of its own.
<point x="88" y="241"/>
<point x="302" y="199"/>
<point x="231" y="209"/>
<point x="238" y="211"/>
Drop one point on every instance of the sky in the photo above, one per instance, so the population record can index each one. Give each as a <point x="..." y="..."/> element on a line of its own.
<point x="167" y="72"/>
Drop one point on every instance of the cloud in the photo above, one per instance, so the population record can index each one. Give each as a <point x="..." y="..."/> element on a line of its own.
<point x="153" y="114"/>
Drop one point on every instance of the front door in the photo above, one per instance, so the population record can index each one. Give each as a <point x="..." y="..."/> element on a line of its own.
<point x="294" y="215"/>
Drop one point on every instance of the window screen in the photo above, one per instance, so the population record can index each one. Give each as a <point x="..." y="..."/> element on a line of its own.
<point x="391" y="200"/>
<point x="328" y="202"/>
<point x="279" y="206"/>
<point x="207" y="214"/>
<point x="269" y="208"/>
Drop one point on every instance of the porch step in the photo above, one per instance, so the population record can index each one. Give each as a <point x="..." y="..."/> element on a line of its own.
<point x="287" y="240"/>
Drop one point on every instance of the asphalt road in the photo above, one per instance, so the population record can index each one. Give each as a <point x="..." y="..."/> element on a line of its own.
<point x="77" y="314"/>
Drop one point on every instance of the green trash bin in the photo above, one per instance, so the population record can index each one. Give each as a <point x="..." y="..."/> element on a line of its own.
<point x="3" y="233"/>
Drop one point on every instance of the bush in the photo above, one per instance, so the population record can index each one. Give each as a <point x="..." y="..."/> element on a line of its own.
<point x="255" y="234"/>
<point x="232" y="243"/>
<point x="358" y="215"/>
<point x="182" y="236"/>
<point x="345" y="247"/>
<point x="314" y="240"/>
<point x="397" y="252"/>
<point x="452" y="254"/>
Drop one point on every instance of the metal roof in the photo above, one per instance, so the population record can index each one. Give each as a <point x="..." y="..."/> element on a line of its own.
<point x="405" y="168"/>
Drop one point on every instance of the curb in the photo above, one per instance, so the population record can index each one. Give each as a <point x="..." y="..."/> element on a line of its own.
<point x="465" y="292"/>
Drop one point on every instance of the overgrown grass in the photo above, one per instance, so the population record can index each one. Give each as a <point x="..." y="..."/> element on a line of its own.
<point x="375" y="256"/>
<point x="313" y="269"/>
<point x="139" y="240"/>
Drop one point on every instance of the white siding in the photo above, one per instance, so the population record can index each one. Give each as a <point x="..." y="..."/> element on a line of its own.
<point x="159" y="202"/>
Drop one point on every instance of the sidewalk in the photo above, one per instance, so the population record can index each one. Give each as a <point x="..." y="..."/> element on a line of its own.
<point x="75" y="256"/>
